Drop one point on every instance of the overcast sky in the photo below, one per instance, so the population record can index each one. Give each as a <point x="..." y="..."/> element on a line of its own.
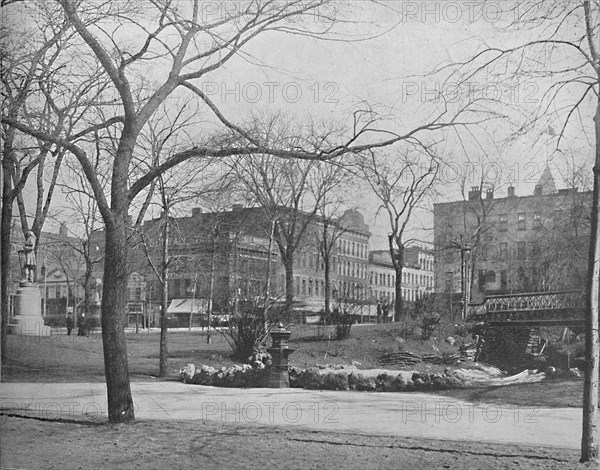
<point x="311" y="79"/>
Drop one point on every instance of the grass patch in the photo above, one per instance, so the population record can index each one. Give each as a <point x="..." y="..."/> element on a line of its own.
<point x="63" y="358"/>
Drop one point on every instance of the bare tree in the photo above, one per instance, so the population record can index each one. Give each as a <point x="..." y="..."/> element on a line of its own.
<point x="465" y="231"/>
<point x="558" y="259"/>
<point x="402" y="184"/>
<point x="290" y="192"/>
<point x="328" y="234"/>
<point x="565" y="48"/>
<point x="21" y="75"/>
<point x="65" y="252"/>
<point x="177" y="39"/>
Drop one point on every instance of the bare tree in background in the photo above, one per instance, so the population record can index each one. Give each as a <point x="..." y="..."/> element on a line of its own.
<point x="130" y="44"/>
<point x="563" y="57"/>
<point x="464" y="234"/>
<point x="403" y="183"/>
<point x="327" y="235"/>
<point x="40" y="90"/>
<point x="290" y="192"/>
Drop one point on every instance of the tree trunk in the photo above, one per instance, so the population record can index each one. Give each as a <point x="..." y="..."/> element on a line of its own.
<point x="328" y="247"/>
<point x="397" y="262"/>
<point x="120" y="402"/>
<point x="289" y="285"/>
<point x="87" y="284"/>
<point x="211" y="292"/>
<point x="327" y="262"/>
<point x="5" y="250"/>
<point x="399" y="304"/>
<point x="163" y="348"/>
<point x="589" y="438"/>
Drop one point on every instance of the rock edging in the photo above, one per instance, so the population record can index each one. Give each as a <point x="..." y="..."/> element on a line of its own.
<point x="374" y="380"/>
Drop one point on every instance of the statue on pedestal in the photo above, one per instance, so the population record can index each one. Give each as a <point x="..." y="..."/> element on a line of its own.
<point x="30" y="263"/>
<point x="27" y="319"/>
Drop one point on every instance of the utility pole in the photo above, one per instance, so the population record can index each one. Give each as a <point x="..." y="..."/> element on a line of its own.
<point x="268" y="283"/>
<point x="211" y="292"/>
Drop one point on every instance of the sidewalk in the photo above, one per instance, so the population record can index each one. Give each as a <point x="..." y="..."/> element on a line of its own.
<point x="401" y="414"/>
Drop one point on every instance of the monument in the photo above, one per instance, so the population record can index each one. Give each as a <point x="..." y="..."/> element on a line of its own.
<point x="27" y="319"/>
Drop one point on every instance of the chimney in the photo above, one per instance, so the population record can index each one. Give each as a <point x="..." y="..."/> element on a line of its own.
<point x="539" y="190"/>
<point x="196" y="211"/>
<point x="511" y="191"/>
<point x="475" y="193"/>
<point x="62" y="231"/>
<point x="489" y="194"/>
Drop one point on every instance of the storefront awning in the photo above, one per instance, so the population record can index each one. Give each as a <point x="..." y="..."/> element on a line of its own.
<point x="195" y="306"/>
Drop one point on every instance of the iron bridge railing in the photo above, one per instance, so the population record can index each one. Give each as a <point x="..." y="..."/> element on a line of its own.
<point x="540" y="307"/>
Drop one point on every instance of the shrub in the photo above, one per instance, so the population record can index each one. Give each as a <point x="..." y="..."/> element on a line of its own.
<point x="236" y="376"/>
<point x="428" y="325"/>
<point x="357" y="381"/>
<point x="343" y="323"/>
<point x="335" y="382"/>
<point x="562" y="356"/>
<point x="55" y="321"/>
<point x="248" y="331"/>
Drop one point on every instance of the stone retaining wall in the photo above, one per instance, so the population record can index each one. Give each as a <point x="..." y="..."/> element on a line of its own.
<point x="505" y="346"/>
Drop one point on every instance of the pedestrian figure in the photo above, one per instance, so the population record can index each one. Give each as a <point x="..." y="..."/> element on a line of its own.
<point x="69" y="324"/>
<point x="386" y="311"/>
<point x="82" y="327"/>
<point x="379" y="312"/>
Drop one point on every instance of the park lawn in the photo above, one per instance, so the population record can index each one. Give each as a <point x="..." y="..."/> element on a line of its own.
<point x="79" y="359"/>
<point x="62" y="358"/>
<point x="559" y="393"/>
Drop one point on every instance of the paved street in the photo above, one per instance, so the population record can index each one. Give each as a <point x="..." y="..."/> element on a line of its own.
<point x="401" y="414"/>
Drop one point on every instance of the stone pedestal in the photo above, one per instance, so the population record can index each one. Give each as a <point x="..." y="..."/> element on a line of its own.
<point x="278" y="375"/>
<point x="28" y="312"/>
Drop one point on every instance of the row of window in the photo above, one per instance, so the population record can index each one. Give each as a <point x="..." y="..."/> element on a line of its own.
<point x="426" y="264"/>
<point x="344" y="268"/>
<point x="407" y="294"/>
<point x="350" y="269"/>
<point x="522" y="250"/>
<point x="348" y="248"/>
<point x="310" y="287"/>
<point x="389" y="280"/>
<point x="316" y="287"/>
<point x="522" y="219"/>
<point x="500" y="251"/>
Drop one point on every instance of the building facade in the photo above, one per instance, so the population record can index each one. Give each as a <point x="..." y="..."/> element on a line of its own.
<point x="514" y="243"/>
<point x="417" y="274"/>
<point x="233" y="256"/>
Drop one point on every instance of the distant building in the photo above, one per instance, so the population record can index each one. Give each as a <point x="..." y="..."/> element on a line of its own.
<point x="417" y="274"/>
<point x="513" y="244"/>
<point x="229" y="253"/>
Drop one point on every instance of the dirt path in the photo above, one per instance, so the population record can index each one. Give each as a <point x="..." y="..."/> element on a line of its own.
<point x="36" y="444"/>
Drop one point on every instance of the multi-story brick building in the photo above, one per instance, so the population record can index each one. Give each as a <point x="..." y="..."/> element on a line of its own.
<point x="228" y="253"/>
<point x="512" y="244"/>
<point x="417" y="274"/>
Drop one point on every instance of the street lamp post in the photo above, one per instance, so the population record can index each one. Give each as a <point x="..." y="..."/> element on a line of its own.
<point x="450" y="287"/>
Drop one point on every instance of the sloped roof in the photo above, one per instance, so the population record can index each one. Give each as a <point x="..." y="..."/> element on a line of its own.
<point x="546" y="181"/>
